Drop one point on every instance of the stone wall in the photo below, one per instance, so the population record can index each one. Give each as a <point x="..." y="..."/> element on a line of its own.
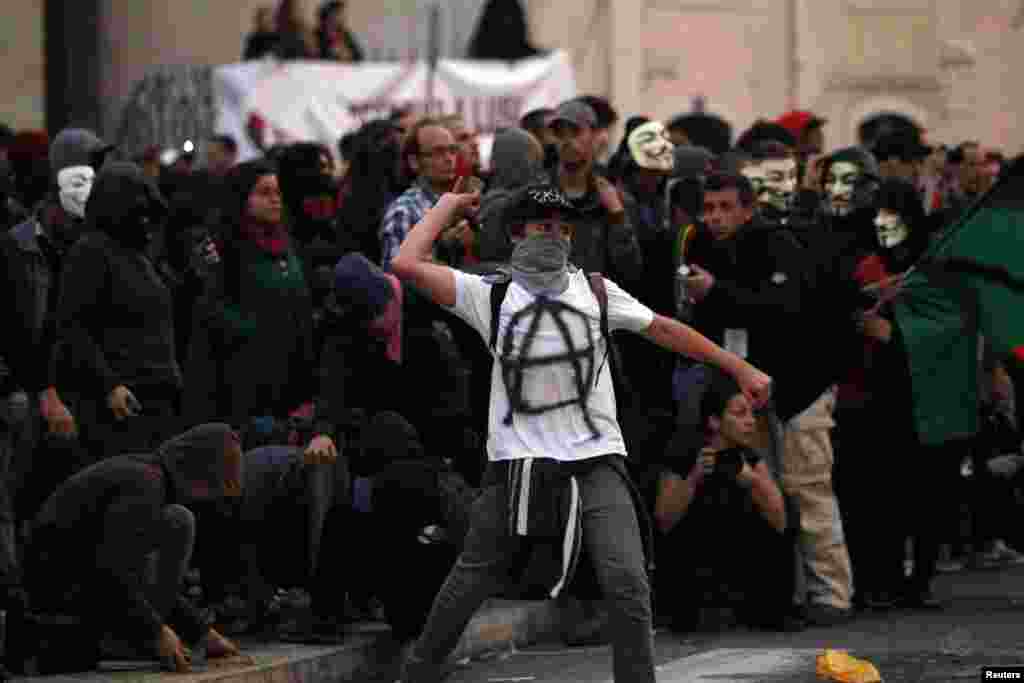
<point x="22" y="77"/>
<point x="948" y="63"/>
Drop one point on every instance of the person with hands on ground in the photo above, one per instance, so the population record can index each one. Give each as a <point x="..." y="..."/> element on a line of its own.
<point x="106" y="521"/>
<point x="565" y="459"/>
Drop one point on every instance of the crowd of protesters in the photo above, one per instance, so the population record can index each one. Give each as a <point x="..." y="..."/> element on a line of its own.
<point x="220" y="403"/>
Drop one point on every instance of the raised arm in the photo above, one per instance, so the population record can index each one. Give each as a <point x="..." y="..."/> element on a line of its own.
<point x="413" y="262"/>
<point x="682" y="339"/>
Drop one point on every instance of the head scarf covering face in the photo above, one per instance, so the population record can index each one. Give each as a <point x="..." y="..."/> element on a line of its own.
<point x="540" y="263"/>
<point x="125" y="204"/>
<point x="204" y="463"/>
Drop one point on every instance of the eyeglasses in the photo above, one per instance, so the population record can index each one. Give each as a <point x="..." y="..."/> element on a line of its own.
<point x="441" y="151"/>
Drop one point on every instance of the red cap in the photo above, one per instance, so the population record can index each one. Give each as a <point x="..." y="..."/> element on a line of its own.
<point x="796" y="122"/>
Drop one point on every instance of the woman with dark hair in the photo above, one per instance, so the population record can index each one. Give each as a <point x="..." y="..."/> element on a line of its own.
<point x="252" y="355"/>
<point x="371" y="184"/>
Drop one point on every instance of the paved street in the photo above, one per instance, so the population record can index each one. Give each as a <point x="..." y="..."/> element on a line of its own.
<point x="984" y="625"/>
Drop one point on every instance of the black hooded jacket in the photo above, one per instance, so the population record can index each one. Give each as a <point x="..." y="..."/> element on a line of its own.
<point x="107" y="518"/>
<point x="116" y="321"/>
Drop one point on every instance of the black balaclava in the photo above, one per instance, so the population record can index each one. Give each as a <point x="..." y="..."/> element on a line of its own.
<point x="126" y="205"/>
<point x="309" y="194"/>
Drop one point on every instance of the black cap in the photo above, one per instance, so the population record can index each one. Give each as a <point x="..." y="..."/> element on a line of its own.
<point x="575" y="112"/>
<point x="539" y="202"/>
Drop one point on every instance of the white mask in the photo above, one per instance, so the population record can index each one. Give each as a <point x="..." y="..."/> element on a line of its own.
<point x="650" y="147"/>
<point x="840" y="183"/>
<point x="75" y="184"/>
<point x="890" y="228"/>
<point x="779" y="182"/>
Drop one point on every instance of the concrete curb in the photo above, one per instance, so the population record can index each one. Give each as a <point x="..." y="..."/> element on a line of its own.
<point x="500" y="626"/>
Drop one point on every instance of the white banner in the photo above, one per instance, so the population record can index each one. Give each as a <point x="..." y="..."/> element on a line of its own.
<point x="321" y="101"/>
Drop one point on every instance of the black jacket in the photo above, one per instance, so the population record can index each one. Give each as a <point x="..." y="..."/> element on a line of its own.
<point x="764" y="284"/>
<point x="107" y="518"/>
<point x="252" y="342"/>
<point x="116" y="320"/>
<point x="29" y="270"/>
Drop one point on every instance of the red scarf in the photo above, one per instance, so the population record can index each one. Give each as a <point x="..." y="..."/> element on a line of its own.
<point x="272" y="239"/>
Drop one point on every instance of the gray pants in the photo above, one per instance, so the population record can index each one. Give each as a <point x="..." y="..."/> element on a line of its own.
<point x="611" y="533"/>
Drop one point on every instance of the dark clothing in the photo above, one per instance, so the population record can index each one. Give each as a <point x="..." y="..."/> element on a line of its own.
<point x="763" y="289"/>
<point x="645" y="364"/>
<point x="112" y="512"/>
<point x="259" y="44"/>
<point x="252" y="343"/>
<point x="116" y="320"/>
<point x="29" y="292"/>
<point x="708" y="557"/>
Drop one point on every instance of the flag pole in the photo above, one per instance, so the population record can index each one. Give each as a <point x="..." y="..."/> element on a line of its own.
<point x="434" y="47"/>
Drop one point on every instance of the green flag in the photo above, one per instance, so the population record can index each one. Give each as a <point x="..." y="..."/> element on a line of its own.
<point x="971" y="281"/>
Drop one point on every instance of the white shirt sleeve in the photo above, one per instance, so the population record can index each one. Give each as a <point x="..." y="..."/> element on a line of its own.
<point x="625" y="312"/>
<point x="473" y="302"/>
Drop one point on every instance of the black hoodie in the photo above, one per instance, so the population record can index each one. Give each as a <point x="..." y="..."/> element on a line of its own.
<point x="116" y="321"/>
<point x="110" y="515"/>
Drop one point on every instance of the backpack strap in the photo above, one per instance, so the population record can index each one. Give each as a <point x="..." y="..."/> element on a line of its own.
<point x="597" y="286"/>
<point x="498" y="292"/>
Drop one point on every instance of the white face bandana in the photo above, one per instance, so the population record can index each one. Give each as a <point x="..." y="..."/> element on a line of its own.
<point x="75" y="184"/>
<point x="650" y="147"/>
<point x="890" y="228"/>
<point x="840" y="183"/>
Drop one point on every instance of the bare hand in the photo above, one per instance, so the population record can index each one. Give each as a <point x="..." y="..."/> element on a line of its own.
<point x="457" y="232"/>
<point x="465" y="197"/>
<point x="219" y="646"/>
<point x="59" y="420"/>
<point x="706" y="462"/>
<point x="745" y="477"/>
<point x="1002" y="385"/>
<point x="699" y="284"/>
<point x="123" y="403"/>
<point x="173" y="654"/>
<point x="756" y="385"/>
<point x="608" y="195"/>
<point x="874" y="326"/>
<point x="321" y="451"/>
<point x="812" y="173"/>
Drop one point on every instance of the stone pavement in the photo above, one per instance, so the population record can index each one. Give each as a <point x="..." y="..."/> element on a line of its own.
<point x="518" y="642"/>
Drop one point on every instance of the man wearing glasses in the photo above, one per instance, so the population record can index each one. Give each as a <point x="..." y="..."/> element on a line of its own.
<point x="428" y="157"/>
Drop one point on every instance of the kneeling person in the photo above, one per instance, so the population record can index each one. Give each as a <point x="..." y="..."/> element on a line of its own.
<point x="724" y="521"/>
<point x="89" y="553"/>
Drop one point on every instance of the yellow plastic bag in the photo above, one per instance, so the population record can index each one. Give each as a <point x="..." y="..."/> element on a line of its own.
<point x="838" y="665"/>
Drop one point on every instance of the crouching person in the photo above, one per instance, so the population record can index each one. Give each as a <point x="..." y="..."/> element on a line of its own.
<point x="89" y="569"/>
<point x="295" y="512"/>
<point x="724" y="522"/>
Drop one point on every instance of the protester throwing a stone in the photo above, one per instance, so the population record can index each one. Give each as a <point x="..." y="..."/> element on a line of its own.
<point x="554" y="441"/>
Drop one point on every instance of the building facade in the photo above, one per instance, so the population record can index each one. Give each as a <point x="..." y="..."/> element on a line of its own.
<point x="949" y="64"/>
